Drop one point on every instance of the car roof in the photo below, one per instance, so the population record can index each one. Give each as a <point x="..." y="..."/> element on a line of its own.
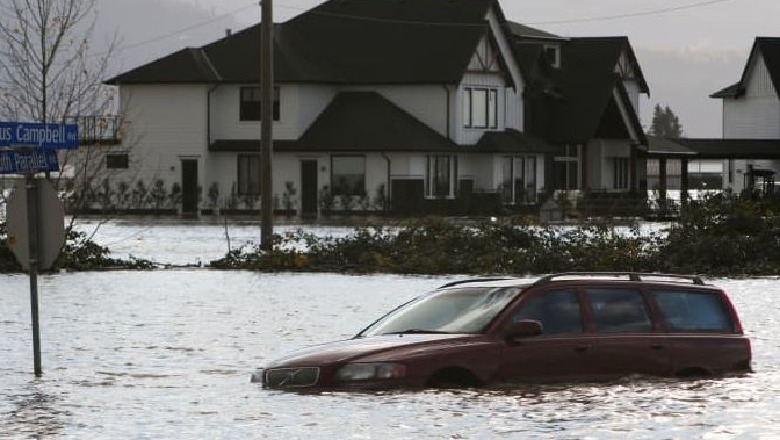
<point x="620" y="278"/>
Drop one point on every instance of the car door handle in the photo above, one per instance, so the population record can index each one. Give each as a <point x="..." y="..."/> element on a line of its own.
<point x="583" y="347"/>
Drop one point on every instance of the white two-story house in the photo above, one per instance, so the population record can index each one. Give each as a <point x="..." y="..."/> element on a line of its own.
<point x="414" y="106"/>
<point x="751" y="120"/>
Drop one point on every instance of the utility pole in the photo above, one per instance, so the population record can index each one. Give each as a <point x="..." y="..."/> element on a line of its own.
<point x="266" y="124"/>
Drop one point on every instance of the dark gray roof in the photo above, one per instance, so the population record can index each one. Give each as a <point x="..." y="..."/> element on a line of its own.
<point x="513" y="141"/>
<point x="769" y="47"/>
<point x="526" y="32"/>
<point x="732" y="91"/>
<point x="577" y="97"/>
<point x="341" y="42"/>
<point x="715" y="148"/>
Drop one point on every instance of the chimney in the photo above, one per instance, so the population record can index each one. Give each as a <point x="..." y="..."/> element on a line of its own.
<point x="228" y="32"/>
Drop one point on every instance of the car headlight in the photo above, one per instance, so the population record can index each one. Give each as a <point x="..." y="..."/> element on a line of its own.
<point x="371" y="370"/>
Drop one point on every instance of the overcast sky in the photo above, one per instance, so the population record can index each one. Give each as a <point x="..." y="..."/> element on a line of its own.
<point x="686" y="48"/>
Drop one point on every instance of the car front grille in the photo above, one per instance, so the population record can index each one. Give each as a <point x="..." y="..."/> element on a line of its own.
<point x="291" y="377"/>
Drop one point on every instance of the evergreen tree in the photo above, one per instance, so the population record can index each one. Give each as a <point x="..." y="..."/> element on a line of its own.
<point x="665" y="123"/>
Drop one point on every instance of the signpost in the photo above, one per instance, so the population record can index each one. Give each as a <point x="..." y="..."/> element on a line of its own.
<point x="35" y="214"/>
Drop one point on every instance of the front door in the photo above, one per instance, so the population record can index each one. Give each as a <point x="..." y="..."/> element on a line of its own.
<point x="309" y="188"/>
<point x="189" y="186"/>
<point x="562" y="352"/>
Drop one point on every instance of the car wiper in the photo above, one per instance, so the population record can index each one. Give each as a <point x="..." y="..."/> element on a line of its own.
<point x="415" y="330"/>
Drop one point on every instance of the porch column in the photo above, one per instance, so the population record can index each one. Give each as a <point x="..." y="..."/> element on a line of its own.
<point x="662" y="184"/>
<point x="632" y="168"/>
<point x="683" y="182"/>
<point x="583" y="156"/>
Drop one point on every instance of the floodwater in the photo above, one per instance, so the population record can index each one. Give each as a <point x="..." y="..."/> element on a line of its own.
<point x="168" y="354"/>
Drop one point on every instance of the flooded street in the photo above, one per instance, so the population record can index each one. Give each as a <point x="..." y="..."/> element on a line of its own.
<point x="168" y="354"/>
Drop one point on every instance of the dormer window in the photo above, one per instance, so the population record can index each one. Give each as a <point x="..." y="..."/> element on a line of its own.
<point x="480" y="107"/>
<point x="553" y="54"/>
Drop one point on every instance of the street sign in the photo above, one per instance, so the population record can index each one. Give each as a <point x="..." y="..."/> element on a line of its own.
<point x="47" y="136"/>
<point x="50" y="223"/>
<point x="28" y="162"/>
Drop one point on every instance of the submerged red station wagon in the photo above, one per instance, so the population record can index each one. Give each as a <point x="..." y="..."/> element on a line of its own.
<point x="562" y="327"/>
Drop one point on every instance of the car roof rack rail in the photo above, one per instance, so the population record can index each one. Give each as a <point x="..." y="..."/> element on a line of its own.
<point x="632" y="276"/>
<point x="473" y="280"/>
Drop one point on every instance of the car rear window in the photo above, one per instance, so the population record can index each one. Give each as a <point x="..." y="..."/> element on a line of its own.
<point x="619" y="310"/>
<point x="693" y="311"/>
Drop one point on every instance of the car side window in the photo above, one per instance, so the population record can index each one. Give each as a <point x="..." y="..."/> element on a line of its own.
<point x="691" y="311"/>
<point x="557" y="310"/>
<point x="619" y="310"/>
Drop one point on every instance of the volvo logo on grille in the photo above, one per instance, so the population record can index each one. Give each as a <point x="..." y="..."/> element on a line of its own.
<point x="291" y="377"/>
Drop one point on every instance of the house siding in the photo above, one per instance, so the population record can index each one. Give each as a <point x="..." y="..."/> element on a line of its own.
<point x="225" y="122"/>
<point x="599" y="154"/>
<point x="755" y="115"/>
<point x="168" y="123"/>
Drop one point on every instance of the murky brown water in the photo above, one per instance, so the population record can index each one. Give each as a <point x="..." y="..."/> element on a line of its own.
<point x="167" y="354"/>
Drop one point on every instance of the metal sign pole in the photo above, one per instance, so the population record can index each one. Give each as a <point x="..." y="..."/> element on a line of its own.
<point x="32" y="227"/>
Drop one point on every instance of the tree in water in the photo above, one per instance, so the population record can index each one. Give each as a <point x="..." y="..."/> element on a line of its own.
<point x="665" y="123"/>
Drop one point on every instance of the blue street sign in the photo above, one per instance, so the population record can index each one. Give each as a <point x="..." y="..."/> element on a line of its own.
<point x="48" y="136"/>
<point x="28" y="162"/>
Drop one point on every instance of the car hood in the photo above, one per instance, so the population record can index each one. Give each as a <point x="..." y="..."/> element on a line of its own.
<point x="352" y="349"/>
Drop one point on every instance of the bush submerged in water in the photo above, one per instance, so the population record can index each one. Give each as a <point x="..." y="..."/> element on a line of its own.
<point x="78" y="253"/>
<point x="724" y="236"/>
<point x="438" y="246"/>
<point x="717" y="236"/>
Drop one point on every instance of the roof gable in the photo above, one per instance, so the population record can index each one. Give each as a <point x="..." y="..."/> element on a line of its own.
<point x="577" y="95"/>
<point x="769" y="49"/>
<point x="383" y="126"/>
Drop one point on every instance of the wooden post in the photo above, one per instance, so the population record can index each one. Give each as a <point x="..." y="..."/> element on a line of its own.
<point x="266" y="124"/>
<point x="683" y="183"/>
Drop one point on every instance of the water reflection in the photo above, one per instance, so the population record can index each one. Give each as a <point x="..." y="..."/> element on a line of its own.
<point x="168" y="354"/>
<point x="36" y="413"/>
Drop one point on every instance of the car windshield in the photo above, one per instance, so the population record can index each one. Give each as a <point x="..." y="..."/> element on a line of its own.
<point x="457" y="310"/>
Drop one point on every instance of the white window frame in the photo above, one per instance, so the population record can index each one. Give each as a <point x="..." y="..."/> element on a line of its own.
<point x="488" y="102"/>
<point x="522" y="168"/>
<point x="621" y="174"/>
<point x="433" y="165"/>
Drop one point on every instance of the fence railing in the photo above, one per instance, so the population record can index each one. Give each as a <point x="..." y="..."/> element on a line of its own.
<point x="105" y="130"/>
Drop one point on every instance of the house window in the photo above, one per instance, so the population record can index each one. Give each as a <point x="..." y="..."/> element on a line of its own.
<point x="250" y="108"/>
<point x="248" y="174"/>
<point x="553" y="55"/>
<point x="118" y="161"/>
<point x="519" y="183"/>
<point x="567" y="168"/>
<point x="441" y="175"/>
<point x="480" y="107"/>
<point x="348" y="175"/>
<point x="620" y="173"/>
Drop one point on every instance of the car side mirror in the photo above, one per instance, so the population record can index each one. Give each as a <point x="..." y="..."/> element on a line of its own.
<point x="524" y="328"/>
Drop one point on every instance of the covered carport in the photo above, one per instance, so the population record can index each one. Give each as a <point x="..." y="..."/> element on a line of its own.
<point x="687" y="149"/>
